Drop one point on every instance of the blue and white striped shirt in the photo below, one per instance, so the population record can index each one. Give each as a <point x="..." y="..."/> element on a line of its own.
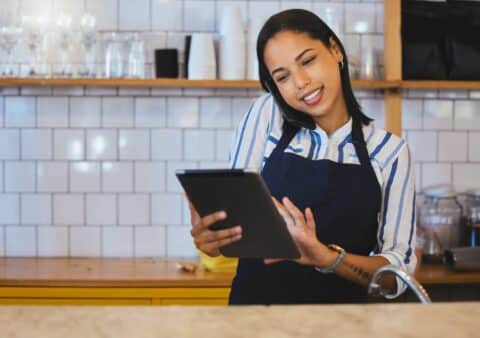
<point x="261" y="129"/>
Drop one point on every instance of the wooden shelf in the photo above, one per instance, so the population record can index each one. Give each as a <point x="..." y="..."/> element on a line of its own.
<point x="375" y="84"/>
<point x="246" y="84"/>
<point x="183" y="83"/>
<point x="422" y="84"/>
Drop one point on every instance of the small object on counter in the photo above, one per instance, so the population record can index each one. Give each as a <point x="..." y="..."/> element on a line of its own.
<point x="219" y="263"/>
<point x="463" y="259"/>
<point x="472" y="211"/>
<point x="166" y="63"/>
<point x="439" y="220"/>
<point x="187" y="266"/>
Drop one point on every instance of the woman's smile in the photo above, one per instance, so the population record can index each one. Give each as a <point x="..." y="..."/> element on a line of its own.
<point x="313" y="97"/>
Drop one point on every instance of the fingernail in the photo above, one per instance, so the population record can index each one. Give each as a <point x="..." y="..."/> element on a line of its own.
<point x="223" y="214"/>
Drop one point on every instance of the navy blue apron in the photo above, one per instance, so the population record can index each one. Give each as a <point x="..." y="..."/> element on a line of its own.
<point x="345" y="200"/>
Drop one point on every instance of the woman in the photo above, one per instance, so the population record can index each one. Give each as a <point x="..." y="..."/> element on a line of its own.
<point x="344" y="188"/>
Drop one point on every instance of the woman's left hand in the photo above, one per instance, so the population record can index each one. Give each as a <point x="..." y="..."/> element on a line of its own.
<point x="302" y="230"/>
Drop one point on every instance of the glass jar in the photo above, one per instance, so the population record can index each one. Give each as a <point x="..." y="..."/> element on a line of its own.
<point x="115" y="56"/>
<point x="440" y="217"/>
<point x="472" y="214"/>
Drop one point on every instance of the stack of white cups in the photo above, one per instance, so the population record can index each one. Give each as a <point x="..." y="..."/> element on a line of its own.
<point x="201" y="63"/>
<point x="254" y="26"/>
<point x="232" y="45"/>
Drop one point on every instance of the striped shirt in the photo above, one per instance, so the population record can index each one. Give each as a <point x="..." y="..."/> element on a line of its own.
<point x="261" y="129"/>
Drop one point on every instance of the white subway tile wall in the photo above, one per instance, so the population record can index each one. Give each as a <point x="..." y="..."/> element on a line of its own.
<point x="90" y="171"/>
<point x="2" y="241"/>
<point x="52" y="112"/>
<point x="85" y="241"/>
<point x="117" y="241"/>
<point x="52" y="241"/>
<point x="150" y="241"/>
<point x="102" y="144"/>
<point x="134" y="15"/>
<point x="20" y="112"/>
<point x="101" y="209"/>
<point x="117" y="177"/>
<point x="37" y="144"/>
<point x="84" y="176"/>
<point x="167" y="15"/>
<point x="21" y="241"/>
<point x="69" y="209"/>
<point x="10" y="209"/>
<point x="36" y="209"/>
<point x="85" y="112"/>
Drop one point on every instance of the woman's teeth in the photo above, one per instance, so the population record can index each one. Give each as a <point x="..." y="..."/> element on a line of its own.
<point x="312" y="95"/>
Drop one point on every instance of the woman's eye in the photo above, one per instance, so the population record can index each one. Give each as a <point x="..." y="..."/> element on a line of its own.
<point x="306" y="62"/>
<point x="282" y="78"/>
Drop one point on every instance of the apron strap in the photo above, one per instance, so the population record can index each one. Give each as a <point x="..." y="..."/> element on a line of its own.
<point x="289" y="132"/>
<point x="359" y="143"/>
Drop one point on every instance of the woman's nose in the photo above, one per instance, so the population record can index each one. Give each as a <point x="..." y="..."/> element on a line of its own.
<point x="301" y="79"/>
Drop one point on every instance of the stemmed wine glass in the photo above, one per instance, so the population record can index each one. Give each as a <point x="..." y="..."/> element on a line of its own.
<point x="9" y="37"/>
<point x="64" y="34"/>
<point x="35" y="32"/>
<point x="88" y="25"/>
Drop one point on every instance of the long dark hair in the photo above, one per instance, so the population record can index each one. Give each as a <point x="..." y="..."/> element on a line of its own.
<point x="303" y="21"/>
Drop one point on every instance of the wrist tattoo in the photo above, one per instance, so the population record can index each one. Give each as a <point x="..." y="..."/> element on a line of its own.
<point x="365" y="275"/>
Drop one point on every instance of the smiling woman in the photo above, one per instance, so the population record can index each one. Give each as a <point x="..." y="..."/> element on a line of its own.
<point x="344" y="188"/>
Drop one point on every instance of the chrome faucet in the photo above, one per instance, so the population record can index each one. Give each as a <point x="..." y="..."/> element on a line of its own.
<point x="375" y="289"/>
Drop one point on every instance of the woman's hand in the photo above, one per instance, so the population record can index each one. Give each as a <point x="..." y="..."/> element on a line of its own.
<point x="209" y="241"/>
<point x="302" y="230"/>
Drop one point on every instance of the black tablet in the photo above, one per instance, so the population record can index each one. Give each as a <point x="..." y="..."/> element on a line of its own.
<point x="247" y="201"/>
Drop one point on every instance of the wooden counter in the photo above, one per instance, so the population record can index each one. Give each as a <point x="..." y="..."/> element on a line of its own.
<point x="138" y="281"/>
<point x="105" y="272"/>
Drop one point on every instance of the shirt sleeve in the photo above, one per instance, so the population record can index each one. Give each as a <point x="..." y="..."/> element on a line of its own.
<point x="251" y="136"/>
<point x="397" y="227"/>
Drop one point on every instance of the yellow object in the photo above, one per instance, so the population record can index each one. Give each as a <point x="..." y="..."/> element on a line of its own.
<point x="113" y="295"/>
<point x="219" y="263"/>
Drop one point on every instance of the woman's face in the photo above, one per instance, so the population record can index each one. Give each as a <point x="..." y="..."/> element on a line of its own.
<point x="306" y="73"/>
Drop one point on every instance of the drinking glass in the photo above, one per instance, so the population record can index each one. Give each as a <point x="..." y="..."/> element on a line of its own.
<point x="369" y="65"/>
<point x="114" y="56"/>
<point x="136" y="58"/>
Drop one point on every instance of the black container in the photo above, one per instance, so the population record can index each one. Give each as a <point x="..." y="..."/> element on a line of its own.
<point x="463" y="40"/>
<point x="166" y="63"/>
<point x="188" y="40"/>
<point x="440" y="40"/>
<point x="423" y="40"/>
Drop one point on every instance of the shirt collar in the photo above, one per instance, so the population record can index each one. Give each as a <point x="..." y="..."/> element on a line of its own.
<point x="338" y="135"/>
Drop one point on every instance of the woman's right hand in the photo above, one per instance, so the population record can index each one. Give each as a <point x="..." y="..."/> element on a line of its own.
<point x="209" y="241"/>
